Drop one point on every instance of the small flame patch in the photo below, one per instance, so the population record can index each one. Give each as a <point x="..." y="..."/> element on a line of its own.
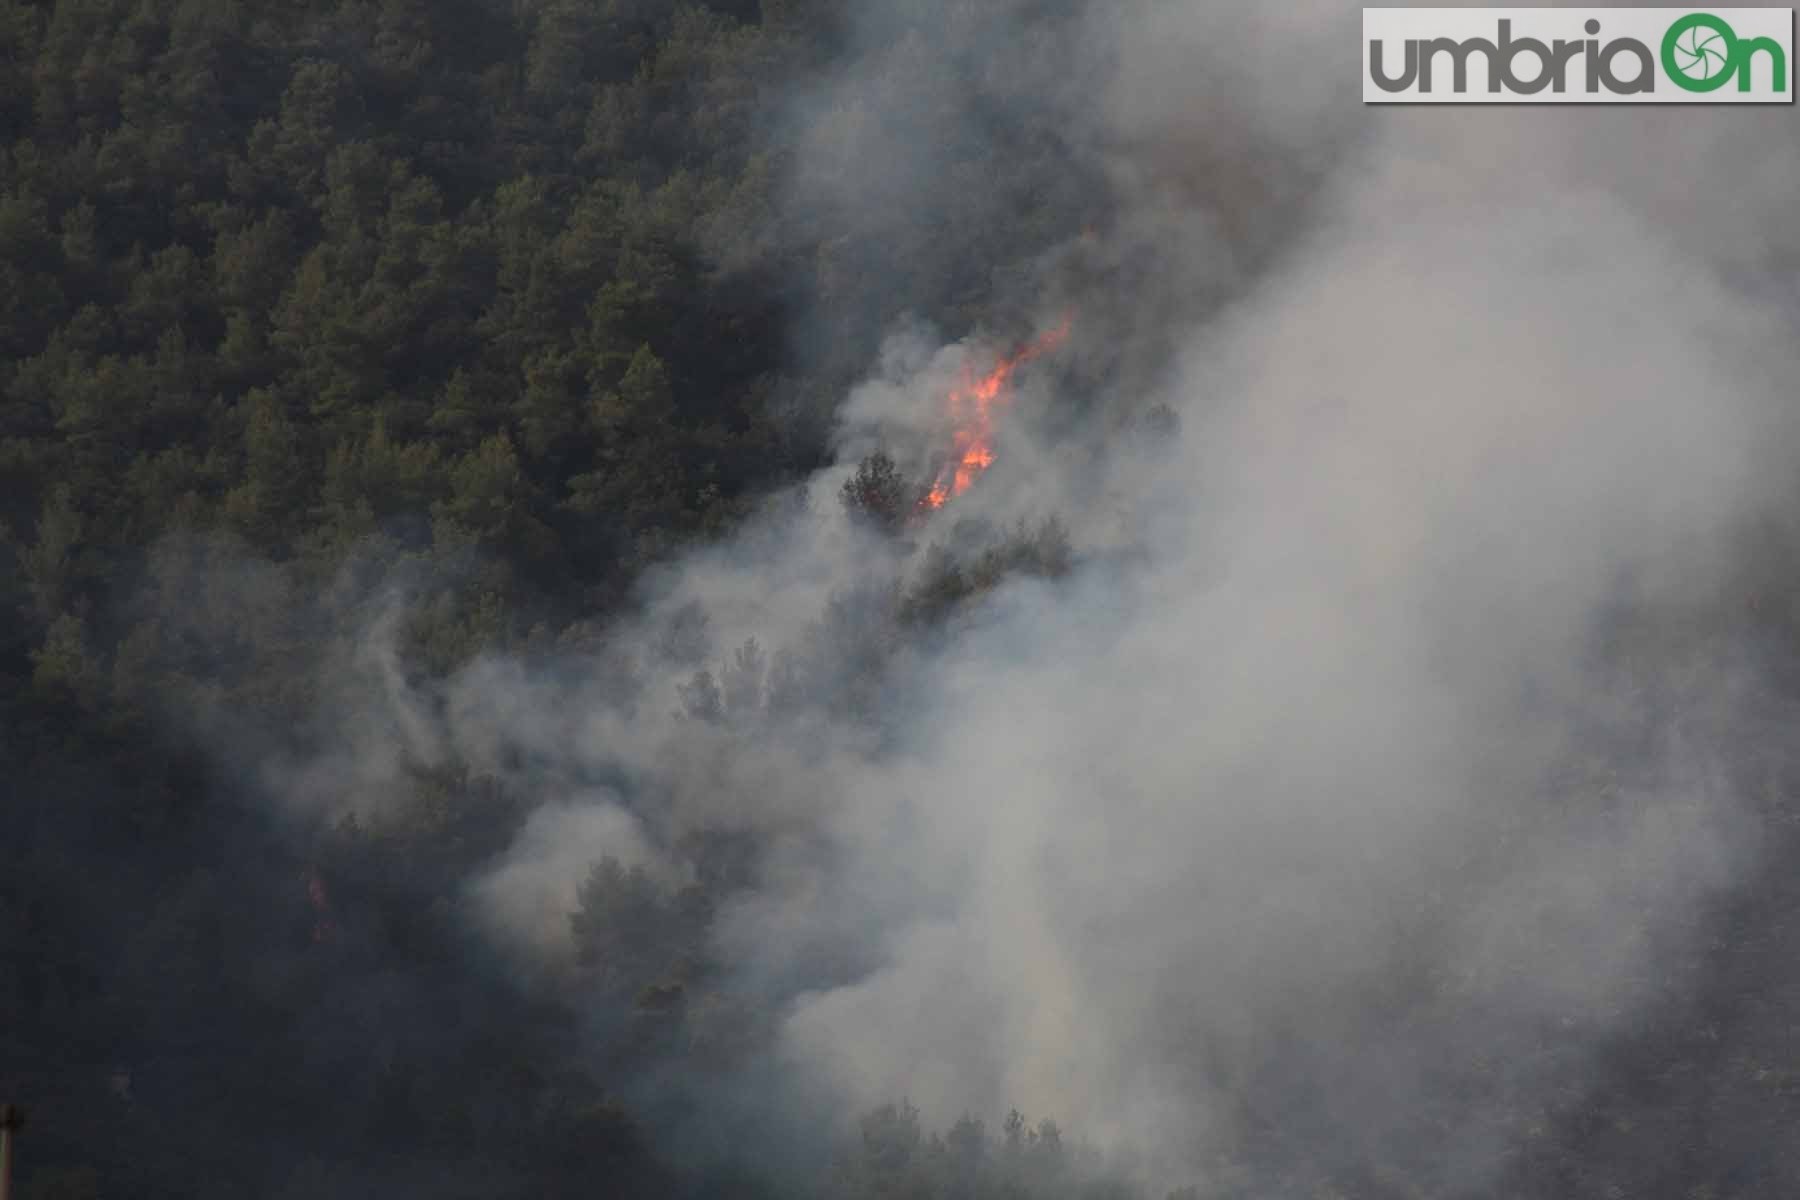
<point x="972" y="405"/>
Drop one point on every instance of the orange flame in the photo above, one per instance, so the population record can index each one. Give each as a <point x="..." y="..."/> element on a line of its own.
<point x="972" y="407"/>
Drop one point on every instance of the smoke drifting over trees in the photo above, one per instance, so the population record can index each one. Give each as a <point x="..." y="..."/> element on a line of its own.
<point x="493" y="710"/>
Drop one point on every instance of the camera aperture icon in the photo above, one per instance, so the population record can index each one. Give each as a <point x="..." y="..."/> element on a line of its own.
<point x="1703" y="50"/>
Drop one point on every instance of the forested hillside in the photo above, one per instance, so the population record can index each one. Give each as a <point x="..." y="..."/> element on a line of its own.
<point x="402" y="401"/>
<point x="489" y="296"/>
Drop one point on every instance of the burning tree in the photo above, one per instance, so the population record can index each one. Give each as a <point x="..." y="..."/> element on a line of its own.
<point x="881" y="493"/>
<point x="972" y="409"/>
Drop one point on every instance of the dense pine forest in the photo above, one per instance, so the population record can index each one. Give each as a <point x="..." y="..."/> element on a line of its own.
<point x="489" y="297"/>
<point x="373" y="373"/>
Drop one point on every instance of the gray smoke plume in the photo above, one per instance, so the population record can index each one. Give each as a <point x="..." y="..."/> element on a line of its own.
<point x="1308" y="819"/>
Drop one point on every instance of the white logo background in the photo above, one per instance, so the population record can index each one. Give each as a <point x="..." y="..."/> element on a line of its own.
<point x="1699" y="52"/>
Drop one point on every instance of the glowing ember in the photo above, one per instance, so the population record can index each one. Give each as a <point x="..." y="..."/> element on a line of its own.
<point x="972" y="405"/>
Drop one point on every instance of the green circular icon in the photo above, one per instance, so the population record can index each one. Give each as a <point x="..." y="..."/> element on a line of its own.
<point x="1700" y="52"/>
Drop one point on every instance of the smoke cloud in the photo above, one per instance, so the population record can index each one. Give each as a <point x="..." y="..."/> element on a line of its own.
<point x="1315" y="817"/>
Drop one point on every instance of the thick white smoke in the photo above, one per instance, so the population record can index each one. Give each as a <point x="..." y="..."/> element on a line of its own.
<point x="1256" y="821"/>
<point x="1198" y="812"/>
